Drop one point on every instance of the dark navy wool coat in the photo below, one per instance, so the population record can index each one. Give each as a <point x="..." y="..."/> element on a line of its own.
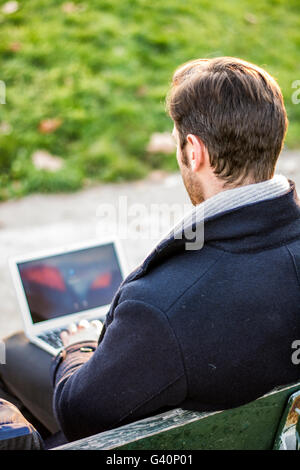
<point x="204" y="330"/>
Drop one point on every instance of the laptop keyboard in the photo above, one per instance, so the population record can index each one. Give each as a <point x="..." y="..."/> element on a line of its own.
<point x="53" y="338"/>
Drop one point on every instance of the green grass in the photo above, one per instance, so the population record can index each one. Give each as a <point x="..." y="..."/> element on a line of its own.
<point x="104" y="71"/>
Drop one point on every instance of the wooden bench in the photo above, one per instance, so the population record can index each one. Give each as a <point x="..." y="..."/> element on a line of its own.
<point x="266" y="423"/>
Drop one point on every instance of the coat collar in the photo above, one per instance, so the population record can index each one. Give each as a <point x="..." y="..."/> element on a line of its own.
<point x="256" y="226"/>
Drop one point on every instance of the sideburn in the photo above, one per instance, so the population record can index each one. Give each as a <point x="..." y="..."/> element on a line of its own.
<point x="184" y="157"/>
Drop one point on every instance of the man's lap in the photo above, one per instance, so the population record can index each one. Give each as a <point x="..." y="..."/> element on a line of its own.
<point x="26" y="373"/>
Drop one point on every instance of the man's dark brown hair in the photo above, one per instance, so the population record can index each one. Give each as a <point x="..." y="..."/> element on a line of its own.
<point x="236" y="109"/>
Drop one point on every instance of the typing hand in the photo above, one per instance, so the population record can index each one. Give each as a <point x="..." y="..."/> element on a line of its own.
<point x="85" y="331"/>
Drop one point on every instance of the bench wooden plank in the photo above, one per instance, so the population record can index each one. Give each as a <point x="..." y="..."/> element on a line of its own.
<point x="252" y="426"/>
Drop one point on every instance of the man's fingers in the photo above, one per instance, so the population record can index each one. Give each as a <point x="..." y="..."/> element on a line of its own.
<point x="83" y="324"/>
<point x="86" y="331"/>
<point x="97" y="324"/>
<point x="72" y="328"/>
<point x="64" y="336"/>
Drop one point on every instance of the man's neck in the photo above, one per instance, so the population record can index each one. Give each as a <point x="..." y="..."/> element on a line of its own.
<point x="217" y="185"/>
<point x="232" y="198"/>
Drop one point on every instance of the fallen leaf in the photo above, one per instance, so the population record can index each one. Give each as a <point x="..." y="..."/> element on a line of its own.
<point x="47" y="126"/>
<point x="69" y="81"/>
<point x="5" y="128"/>
<point x="10" y="7"/>
<point x="15" y="46"/>
<point x="43" y="160"/>
<point x="161" y="143"/>
<point x="142" y="91"/>
<point x="250" y="18"/>
<point x="69" y="7"/>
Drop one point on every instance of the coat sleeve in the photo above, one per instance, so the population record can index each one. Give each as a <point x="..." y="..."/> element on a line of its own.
<point x="136" y="370"/>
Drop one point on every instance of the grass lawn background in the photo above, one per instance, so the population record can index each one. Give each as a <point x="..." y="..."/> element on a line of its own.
<point x="103" y="67"/>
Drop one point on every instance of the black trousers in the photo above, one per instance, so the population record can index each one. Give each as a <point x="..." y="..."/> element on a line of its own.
<point x="26" y="382"/>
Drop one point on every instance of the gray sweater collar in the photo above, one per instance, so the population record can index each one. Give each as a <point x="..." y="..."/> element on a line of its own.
<point x="233" y="199"/>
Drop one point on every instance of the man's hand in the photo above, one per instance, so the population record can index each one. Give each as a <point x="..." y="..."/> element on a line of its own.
<point x="85" y="331"/>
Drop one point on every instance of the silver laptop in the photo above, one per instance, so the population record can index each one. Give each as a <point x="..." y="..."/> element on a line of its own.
<point x="64" y="286"/>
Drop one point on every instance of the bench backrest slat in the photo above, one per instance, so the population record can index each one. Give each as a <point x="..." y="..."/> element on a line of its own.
<point x="252" y="426"/>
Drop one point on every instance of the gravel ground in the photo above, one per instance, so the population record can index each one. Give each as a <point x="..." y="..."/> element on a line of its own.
<point x="41" y="222"/>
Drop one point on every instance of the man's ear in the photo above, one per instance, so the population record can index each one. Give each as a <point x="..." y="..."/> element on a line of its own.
<point x="197" y="152"/>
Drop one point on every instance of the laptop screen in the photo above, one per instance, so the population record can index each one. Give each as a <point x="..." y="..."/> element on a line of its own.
<point x="70" y="282"/>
